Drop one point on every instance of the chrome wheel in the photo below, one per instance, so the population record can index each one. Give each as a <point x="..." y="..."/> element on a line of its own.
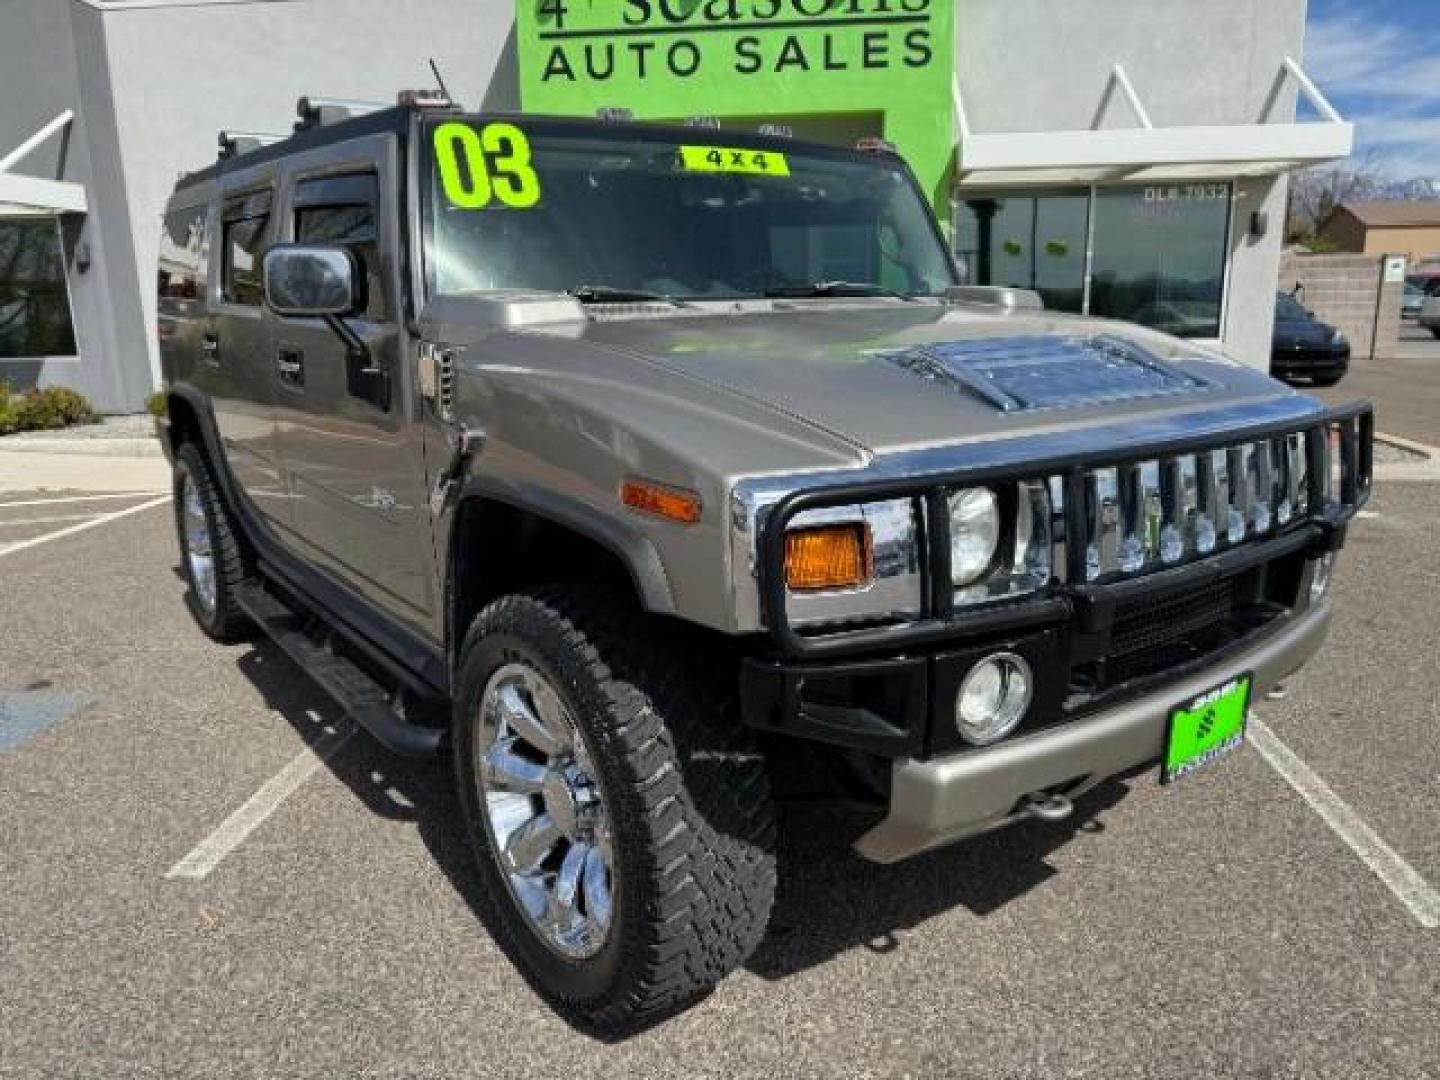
<point x="199" y="551"/>
<point x="548" y="827"/>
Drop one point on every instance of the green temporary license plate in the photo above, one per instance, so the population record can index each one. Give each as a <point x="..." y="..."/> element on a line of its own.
<point x="1206" y="728"/>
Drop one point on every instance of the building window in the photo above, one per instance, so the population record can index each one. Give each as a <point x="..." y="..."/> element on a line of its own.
<point x="1156" y="252"/>
<point x="244" y="225"/>
<point x="1160" y="256"/>
<point x="34" y="300"/>
<point x="1031" y="241"/>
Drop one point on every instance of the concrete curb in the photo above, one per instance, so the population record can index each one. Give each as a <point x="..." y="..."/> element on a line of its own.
<point x="129" y="448"/>
<point x="1427" y="471"/>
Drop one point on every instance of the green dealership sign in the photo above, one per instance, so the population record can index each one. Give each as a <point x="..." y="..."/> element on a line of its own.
<point x="828" y="69"/>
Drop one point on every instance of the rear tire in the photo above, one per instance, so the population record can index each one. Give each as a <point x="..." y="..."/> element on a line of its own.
<point x="680" y="793"/>
<point x="210" y="551"/>
<point x="1325" y="381"/>
<point x="1435" y="330"/>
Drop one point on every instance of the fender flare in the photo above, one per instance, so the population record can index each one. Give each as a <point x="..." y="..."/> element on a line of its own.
<point x="636" y="552"/>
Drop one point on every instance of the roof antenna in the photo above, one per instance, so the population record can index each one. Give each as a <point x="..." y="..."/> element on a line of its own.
<point x="440" y="79"/>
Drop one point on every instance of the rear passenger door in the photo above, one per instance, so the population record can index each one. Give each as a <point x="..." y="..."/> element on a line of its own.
<point x="356" y="475"/>
<point x="234" y="367"/>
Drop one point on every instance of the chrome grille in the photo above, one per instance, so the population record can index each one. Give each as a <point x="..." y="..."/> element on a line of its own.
<point x="1159" y="512"/>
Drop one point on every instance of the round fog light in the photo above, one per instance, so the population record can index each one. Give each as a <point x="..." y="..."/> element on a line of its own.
<point x="1320" y="577"/>
<point x="993" y="698"/>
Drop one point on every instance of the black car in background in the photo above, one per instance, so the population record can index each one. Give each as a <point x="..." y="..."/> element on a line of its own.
<point x="1304" y="348"/>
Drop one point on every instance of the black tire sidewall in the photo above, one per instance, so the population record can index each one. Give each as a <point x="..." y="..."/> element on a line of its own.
<point x="579" y="983"/>
<point x="190" y="464"/>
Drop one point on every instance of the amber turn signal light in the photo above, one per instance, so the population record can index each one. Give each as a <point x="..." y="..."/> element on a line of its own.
<point x="674" y="504"/>
<point x="828" y="557"/>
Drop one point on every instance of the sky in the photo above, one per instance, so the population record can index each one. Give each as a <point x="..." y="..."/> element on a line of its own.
<point x="1378" y="61"/>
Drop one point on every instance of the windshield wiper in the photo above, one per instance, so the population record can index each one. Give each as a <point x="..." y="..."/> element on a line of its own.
<point x="606" y="294"/>
<point x="836" y="288"/>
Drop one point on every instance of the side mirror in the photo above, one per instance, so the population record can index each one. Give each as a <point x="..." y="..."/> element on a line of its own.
<point x="311" y="281"/>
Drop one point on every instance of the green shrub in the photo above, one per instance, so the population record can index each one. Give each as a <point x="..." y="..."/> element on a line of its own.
<point x="43" y="410"/>
<point x="155" y="404"/>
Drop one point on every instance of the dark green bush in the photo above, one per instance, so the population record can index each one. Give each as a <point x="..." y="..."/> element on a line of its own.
<point x="43" y="410"/>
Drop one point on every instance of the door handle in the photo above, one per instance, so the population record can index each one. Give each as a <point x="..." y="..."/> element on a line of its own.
<point x="290" y="363"/>
<point x="210" y="348"/>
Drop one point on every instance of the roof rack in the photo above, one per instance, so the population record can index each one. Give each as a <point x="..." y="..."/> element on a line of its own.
<point x="424" y="99"/>
<point x="316" y="112"/>
<point x="234" y="143"/>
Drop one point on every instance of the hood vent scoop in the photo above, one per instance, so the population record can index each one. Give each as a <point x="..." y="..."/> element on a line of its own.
<point x="1048" y="371"/>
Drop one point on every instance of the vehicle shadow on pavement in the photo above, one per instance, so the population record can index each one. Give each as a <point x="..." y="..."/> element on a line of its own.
<point x="829" y="902"/>
<point x="390" y="786"/>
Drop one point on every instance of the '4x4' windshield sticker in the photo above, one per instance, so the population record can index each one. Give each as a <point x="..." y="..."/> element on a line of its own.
<point x="729" y="160"/>
<point x="481" y="167"/>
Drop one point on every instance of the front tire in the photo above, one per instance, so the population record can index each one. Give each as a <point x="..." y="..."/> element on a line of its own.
<point x="210" y="551"/>
<point x="620" y="816"/>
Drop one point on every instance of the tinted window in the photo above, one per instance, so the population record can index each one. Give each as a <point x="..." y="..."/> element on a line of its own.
<point x="34" y="300"/>
<point x="243" y="235"/>
<point x="345" y="210"/>
<point x="1027" y="242"/>
<point x="183" y="252"/>
<point x="1160" y="256"/>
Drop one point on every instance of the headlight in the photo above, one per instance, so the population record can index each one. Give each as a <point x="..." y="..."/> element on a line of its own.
<point x="1338" y="338"/>
<point x="974" y="534"/>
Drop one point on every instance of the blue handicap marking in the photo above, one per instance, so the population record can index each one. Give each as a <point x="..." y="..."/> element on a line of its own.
<point x="26" y="713"/>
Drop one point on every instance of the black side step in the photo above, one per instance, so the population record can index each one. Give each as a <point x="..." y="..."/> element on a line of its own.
<point x="364" y="699"/>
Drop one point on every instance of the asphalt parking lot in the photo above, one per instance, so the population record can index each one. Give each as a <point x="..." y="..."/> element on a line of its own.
<point x="1221" y="927"/>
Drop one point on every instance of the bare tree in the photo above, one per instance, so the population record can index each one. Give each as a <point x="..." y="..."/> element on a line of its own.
<point x="1315" y="192"/>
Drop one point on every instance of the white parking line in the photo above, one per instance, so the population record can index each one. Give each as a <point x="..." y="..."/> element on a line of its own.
<point x="1402" y="879"/>
<point x="209" y="853"/>
<point x="71" y="530"/>
<point x="77" y="498"/>
<point x="49" y="519"/>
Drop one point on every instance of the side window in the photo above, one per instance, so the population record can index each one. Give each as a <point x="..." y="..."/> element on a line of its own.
<point x="244" y="228"/>
<point x="345" y="210"/>
<point x="183" y="253"/>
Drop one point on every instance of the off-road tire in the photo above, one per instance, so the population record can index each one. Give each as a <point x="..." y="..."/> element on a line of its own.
<point x="686" y="790"/>
<point x="226" y="622"/>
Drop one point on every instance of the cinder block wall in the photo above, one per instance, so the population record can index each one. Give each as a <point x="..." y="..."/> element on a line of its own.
<point x="1347" y="292"/>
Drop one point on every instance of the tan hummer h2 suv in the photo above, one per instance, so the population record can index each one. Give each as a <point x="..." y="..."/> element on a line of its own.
<point x="641" y="468"/>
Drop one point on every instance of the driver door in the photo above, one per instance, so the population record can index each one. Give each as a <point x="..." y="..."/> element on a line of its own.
<point x="356" y="475"/>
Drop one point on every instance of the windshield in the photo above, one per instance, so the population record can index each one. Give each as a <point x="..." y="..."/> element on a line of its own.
<point x="1288" y="309"/>
<point x="563" y="207"/>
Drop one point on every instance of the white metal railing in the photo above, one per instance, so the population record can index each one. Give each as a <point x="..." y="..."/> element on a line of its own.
<point x="61" y="122"/>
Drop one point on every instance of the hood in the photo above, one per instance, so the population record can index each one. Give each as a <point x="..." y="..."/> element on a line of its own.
<point x="892" y="377"/>
<point x="1307" y="332"/>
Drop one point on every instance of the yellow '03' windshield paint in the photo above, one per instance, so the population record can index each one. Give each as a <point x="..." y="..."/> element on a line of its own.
<point x="478" y="167"/>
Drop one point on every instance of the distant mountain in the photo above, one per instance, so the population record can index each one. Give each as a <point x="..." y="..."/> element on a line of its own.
<point x="1406" y="189"/>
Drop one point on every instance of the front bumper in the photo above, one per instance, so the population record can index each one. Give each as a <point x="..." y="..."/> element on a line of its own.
<point x="944" y="799"/>
<point x="1318" y="361"/>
